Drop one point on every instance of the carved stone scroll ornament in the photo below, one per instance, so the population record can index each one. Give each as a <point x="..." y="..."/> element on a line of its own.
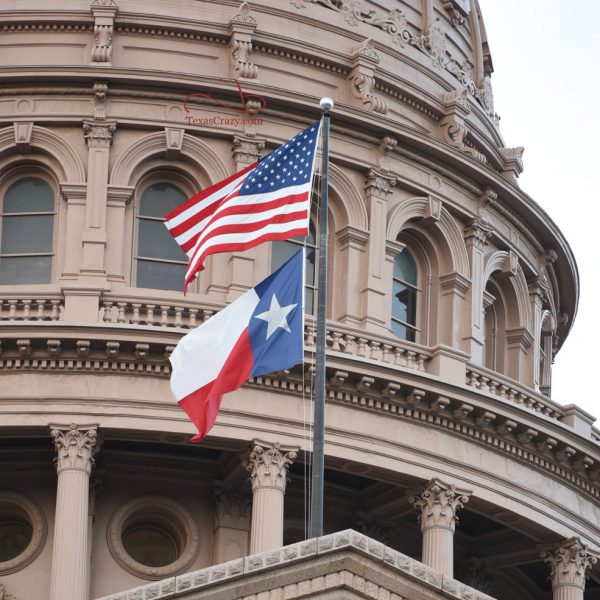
<point x="104" y="12"/>
<point x="379" y="184"/>
<point x="247" y="149"/>
<point x="75" y="448"/>
<point x="569" y="564"/>
<point x="362" y="77"/>
<point x="438" y="504"/>
<point x="242" y="25"/>
<point x="268" y="465"/>
<point x="99" y="134"/>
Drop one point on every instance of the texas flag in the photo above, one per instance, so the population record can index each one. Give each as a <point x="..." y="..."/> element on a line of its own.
<point x="260" y="332"/>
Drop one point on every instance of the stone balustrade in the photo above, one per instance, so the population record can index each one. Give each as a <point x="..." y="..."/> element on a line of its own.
<point x="508" y="389"/>
<point x="48" y="308"/>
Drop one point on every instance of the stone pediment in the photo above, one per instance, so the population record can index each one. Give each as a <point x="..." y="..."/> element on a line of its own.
<point x="343" y="565"/>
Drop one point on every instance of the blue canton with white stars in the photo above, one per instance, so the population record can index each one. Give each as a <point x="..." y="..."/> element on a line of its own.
<point x="289" y="165"/>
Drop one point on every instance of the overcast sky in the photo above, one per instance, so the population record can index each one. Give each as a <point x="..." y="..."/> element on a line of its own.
<point x="546" y="91"/>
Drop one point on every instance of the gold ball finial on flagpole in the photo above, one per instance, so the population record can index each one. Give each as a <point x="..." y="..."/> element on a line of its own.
<point x="326" y="104"/>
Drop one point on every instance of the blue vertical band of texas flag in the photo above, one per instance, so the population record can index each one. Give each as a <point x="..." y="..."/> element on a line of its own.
<point x="260" y="332"/>
<point x="276" y="330"/>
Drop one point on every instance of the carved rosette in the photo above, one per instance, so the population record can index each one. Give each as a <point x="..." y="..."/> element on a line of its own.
<point x="569" y="564"/>
<point x="75" y="447"/>
<point x="268" y="465"/>
<point x="438" y="504"/>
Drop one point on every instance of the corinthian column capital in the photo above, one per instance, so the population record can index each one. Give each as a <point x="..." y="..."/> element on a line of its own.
<point x="569" y="563"/>
<point x="75" y="447"/>
<point x="437" y="505"/>
<point x="268" y="465"/>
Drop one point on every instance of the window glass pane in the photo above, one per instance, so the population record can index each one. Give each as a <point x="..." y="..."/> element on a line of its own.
<point x="26" y="234"/>
<point x="311" y="257"/>
<point x="159" y="199"/>
<point x="405" y="268"/>
<point x="400" y="301"/>
<point x="14" y="538"/>
<point x="155" y="241"/>
<point x="29" y="195"/>
<point x="280" y="252"/>
<point x="25" y="269"/>
<point x="160" y="276"/>
<point x="150" y="546"/>
<point x="403" y="332"/>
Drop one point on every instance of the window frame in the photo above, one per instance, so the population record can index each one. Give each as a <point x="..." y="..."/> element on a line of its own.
<point x="162" y="175"/>
<point x="13" y="176"/>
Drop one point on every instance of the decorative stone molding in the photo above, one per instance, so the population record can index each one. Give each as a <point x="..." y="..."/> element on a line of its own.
<point x="362" y="77"/>
<point x="487" y="199"/>
<point x="100" y="90"/>
<point x="14" y="502"/>
<point x="4" y="595"/>
<point x="379" y="184"/>
<point x="438" y="503"/>
<point x="23" y="131"/>
<point x="569" y="564"/>
<point x="99" y="134"/>
<point x="247" y="149"/>
<point x="375" y="527"/>
<point x="166" y="514"/>
<point x="231" y="507"/>
<point x="268" y="465"/>
<point x="513" y="161"/>
<point x="458" y="10"/>
<point x="386" y="148"/>
<point x="242" y="26"/>
<point x="75" y="447"/>
<point x="104" y="12"/>
<point x="174" y="142"/>
<point x="478" y="233"/>
<point x="474" y="572"/>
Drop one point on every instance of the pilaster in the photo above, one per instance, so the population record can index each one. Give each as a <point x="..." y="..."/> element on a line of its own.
<point x="437" y="505"/>
<point x="75" y="448"/>
<point x="268" y="465"/>
<point x="98" y="135"/>
<point x="569" y="566"/>
<point x="375" y="310"/>
<point x="231" y="522"/>
<point x="477" y="235"/>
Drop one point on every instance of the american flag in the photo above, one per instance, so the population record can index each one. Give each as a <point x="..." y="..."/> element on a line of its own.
<point x="267" y="201"/>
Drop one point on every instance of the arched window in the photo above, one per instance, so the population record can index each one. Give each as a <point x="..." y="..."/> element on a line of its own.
<point x="27" y="232"/>
<point x="405" y="296"/>
<point x="494" y="343"/>
<point x="281" y="251"/>
<point x="159" y="261"/>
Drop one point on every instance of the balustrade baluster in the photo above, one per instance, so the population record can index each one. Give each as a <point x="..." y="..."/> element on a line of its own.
<point x="55" y="314"/>
<point x="135" y="317"/>
<point x="26" y="309"/>
<point x="164" y="315"/>
<point x="192" y="317"/>
<point x="150" y="314"/>
<point x="12" y="309"/>
<point x="121" y="311"/>
<point x="178" y="312"/>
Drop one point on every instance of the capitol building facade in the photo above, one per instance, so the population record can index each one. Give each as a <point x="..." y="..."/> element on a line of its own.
<point x="450" y="471"/>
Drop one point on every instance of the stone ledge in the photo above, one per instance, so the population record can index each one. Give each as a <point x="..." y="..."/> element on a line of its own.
<point x="346" y="559"/>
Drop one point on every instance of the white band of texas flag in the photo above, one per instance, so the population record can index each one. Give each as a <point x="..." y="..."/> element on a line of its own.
<point x="260" y="332"/>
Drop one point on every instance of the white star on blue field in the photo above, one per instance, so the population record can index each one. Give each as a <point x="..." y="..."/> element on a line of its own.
<point x="289" y="165"/>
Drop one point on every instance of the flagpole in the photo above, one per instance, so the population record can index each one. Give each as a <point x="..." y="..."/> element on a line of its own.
<point x="318" y="466"/>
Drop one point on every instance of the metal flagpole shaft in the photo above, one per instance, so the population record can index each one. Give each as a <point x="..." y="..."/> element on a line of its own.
<point x="318" y="467"/>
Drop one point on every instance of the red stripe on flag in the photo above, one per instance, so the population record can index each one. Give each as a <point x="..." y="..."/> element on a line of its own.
<point x="232" y="247"/>
<point x="207" y="192"/>
<point x="202" y="406"/>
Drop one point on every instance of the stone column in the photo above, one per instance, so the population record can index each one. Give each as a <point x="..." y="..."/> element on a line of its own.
<point x="569" y="564"/>
<point x="268" y="466"/>
<point x="75" y="448"/>
<point x="437" y="506"/>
